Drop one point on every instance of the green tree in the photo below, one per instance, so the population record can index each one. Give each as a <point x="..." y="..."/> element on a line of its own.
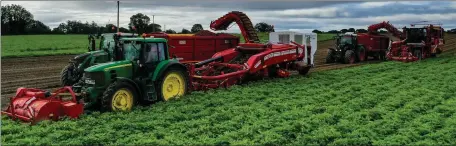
<point x="361" y="30"/>
<point x="153" y="28"/>
<point x="140" y="22"/>
<point x="343" y="30"/>
<point x="170" y="31"/>
<point x="351" y="30"/>
<point x="196" y="28"/>
<point x="185" y="31"/>
<point x="317" y="31"/>
<point x="264" y="27"/>
<point x="37" y="27"/>
<point x="15" y="19"/>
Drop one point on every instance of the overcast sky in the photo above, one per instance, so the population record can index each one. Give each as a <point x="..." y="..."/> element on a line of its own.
<point x="301" y="16"/>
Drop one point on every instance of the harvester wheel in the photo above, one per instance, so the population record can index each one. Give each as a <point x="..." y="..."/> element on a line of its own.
<point x="349" y="57"/>
<point x="119" y="96"/>
<point x="272" y="71"/>
<point x="173" y="84"/>
<point x="417" y="53"/>
<point x="69" y="75"/>
<point x="330" y="57"/>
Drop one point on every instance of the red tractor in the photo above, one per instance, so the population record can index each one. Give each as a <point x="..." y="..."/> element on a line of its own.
<point x="418" y="43"/>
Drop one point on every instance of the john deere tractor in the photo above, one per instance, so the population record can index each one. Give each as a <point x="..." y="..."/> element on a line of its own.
<point x="141" y="73"/>
<point x="347" y="50"/>
<point x="72" y="73"/>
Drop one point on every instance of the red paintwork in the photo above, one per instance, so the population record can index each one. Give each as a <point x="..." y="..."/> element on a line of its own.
<point x="373" y="43"/>
<point x="386" y="25"/>
<point x="210" y="76"/>
<point x="242" y="20"/>
<point x="31" y="105"/>
<point x="196" y="47"/>
<point x="401" y="51"/>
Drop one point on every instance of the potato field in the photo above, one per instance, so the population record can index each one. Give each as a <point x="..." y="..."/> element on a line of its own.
<point x="374" y="103"/>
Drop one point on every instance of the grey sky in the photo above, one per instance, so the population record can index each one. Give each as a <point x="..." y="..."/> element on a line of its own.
<point x="284" y="15"/>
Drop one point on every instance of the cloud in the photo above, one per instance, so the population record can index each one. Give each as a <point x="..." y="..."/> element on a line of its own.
<point x="284" y="15"/>
<point x="374" y="4"/>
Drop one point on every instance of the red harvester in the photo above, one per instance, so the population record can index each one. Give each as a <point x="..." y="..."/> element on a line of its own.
<point x="248" y="60"/>
<point x="418" y="43"/>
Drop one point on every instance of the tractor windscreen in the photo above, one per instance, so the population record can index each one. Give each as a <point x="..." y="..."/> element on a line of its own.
<point x="416" y="35"/>
<point x="346" y="40"/>
<point x="131" y="50"/>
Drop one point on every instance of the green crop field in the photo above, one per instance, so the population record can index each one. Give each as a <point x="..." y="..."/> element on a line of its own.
<point x="389" y="103"/>
<point x="40" y="45"/>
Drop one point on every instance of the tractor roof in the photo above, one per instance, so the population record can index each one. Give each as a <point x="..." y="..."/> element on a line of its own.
<point x="152" y="40"/>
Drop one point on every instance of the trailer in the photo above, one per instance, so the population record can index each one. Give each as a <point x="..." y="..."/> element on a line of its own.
<point x="196" y="47"/>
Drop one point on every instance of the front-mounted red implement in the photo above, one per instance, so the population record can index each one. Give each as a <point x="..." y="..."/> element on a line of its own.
<point x="34" y="105"/>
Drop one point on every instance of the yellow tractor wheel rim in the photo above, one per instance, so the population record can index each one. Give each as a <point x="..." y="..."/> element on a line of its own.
<point x="122" y="100"/>
<point x="173" y="86"/>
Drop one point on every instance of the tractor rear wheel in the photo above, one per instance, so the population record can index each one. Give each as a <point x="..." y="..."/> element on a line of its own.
<point x="349" y="57"/>
<point x="330" y="58"/>
<point x="119" y="96"/>
<point x="173" y="84"/>
<point x="69" y="75"/>
<point x="361" y="55"/>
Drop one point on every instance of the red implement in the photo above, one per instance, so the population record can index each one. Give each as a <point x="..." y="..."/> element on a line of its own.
<point x="34" y="105"/>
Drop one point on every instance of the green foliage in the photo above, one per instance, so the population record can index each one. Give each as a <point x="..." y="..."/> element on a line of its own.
<point x="196" y="28"/>
<point x="38" y="45"/>
<point x="390" y="103"/>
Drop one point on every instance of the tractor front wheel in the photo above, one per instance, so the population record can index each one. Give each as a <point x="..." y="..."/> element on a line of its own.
<point x="119" y="96"/>
<point x="173" y="84"/>
<point x="69" y="75"/>
<point x="330" y="58"/>
<point x="349" y="57"/>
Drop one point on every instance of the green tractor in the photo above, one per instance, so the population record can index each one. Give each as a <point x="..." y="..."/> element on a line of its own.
<point x="72" y="73"/>
<point x="347" y="50"/>
<point x="143" y="73"/>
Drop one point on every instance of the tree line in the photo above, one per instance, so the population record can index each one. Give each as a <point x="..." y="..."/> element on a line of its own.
<point x="16" y="20"/>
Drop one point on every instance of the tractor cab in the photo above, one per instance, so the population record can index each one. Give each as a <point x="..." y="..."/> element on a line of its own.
<point x="148" y="52"/>
<point x="415" y="35"/>
<point x="345" y="39"/>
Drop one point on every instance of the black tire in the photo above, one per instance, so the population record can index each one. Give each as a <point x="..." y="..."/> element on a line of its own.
<point x="272" y="71"/>
<point x="417" y="53"/>
<point x="108" y="95"/>
<point x="349" y="57"/>
<point x="330" y="58"/>
<point x="304" y="71"/>
<point x="162" y="79"/>
<point x="69" y="76"/>
<point x="359" y="57"/>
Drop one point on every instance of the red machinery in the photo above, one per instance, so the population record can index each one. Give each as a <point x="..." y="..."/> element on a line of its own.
<point x="418" y="43"/>
<point x="197" y="47"/>
<point x="34" y="105"/>
<point x="376" y="44"/>
<point x="248" y="60"/>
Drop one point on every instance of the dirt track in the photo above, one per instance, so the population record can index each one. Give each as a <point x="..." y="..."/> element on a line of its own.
<point x="43" y="72"/>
